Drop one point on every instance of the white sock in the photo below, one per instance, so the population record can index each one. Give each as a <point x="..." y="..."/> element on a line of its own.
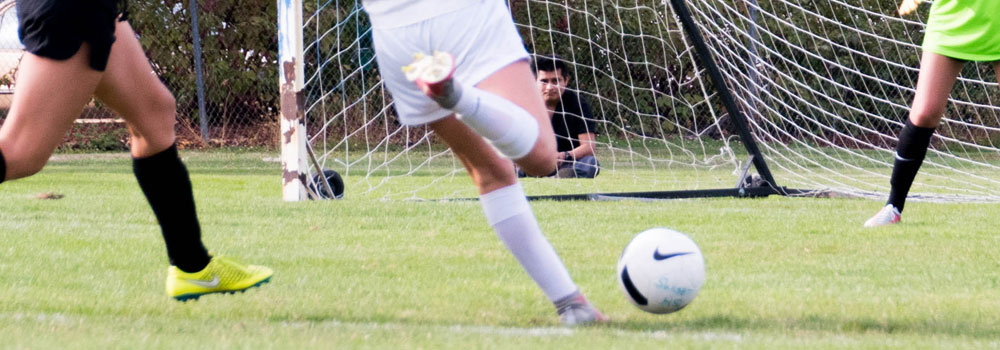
<point x="508" y="212"/>
<point x="510" y="128"/>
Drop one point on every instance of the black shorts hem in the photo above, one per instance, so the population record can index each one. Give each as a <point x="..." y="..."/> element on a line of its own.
<point x="56" y="29"/>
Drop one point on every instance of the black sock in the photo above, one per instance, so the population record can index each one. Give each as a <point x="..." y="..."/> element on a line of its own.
<point x="910" y="152"/>
<point x="165" y="182"/>
<point x="3" y="167"/>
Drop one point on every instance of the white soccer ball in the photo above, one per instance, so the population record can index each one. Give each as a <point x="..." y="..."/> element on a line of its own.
<point x="661" y="271"/>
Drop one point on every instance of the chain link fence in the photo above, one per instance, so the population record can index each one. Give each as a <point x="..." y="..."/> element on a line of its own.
<point x="238" y="53"/>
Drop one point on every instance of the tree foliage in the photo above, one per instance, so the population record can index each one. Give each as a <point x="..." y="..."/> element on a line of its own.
<point x="239" y="55"/>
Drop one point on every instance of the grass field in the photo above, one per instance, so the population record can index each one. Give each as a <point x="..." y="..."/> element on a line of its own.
<point x="87" y="270"/>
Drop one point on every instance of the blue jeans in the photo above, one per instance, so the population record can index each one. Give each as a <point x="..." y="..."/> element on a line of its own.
<point x="587" y="167"/>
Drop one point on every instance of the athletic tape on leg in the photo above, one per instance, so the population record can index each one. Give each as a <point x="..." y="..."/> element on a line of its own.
<point x="503" y="203"/>
<point x="509" y="214"/>
<point x="509" y="128"/>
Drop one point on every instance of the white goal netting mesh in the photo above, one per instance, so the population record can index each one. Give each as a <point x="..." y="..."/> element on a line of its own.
<point x="825" y="86"/>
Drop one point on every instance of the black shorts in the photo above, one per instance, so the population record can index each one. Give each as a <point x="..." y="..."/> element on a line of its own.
<point x="57" y="28"/>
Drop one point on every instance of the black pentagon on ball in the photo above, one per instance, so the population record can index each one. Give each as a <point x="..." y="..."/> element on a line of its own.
<point x="336" y="183"/>
<point x="631" y="289"/>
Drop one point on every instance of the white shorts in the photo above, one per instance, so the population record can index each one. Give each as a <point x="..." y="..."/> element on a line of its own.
<point x="482" y="38"/>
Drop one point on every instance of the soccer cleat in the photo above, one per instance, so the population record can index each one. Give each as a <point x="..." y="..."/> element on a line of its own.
<point x="887" y="216"/>
<point x="222" y="275"/>
<point x="575" y="310"/>
<point x="432" y="74"/>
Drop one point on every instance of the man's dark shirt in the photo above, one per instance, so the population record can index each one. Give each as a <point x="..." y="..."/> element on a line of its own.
<point x="572" y="117"/>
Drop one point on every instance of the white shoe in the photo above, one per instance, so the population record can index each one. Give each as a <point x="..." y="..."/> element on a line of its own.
<point x="887" y="216"/>
<point x="432" y="74"/>
<point x="575" y="310"/>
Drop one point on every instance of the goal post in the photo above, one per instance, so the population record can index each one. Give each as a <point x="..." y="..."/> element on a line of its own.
<point x="294" y="166"/>
<point x="810" y="95"/>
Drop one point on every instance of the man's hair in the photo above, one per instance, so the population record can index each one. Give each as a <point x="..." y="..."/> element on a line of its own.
<point x="550" y="64"/>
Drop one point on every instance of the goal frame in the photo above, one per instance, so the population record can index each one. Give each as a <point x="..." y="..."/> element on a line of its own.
<point x="296" y="153"/>
<point x="291" y="80"/>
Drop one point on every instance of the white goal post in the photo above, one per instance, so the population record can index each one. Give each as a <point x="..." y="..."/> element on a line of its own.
<point x="291" y="79"/>
<point x="825" y="86"/>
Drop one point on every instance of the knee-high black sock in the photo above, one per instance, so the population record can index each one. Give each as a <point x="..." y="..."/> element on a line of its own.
<point x="165" y="182"/>
<point x="3" y="167"/>
<point x="910" y="152"/>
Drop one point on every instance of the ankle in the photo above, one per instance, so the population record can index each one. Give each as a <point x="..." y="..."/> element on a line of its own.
<point x="447" y="94"/>
<point x="572" y="299"/>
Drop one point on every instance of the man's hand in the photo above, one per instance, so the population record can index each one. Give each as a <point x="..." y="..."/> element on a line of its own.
<point x="907" y="6"/>
<point x="563" y="157"/>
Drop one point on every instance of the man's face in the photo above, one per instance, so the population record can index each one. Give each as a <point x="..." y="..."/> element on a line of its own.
<point x="552" y="85"/>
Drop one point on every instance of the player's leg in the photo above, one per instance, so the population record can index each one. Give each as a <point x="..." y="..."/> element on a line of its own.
<point x="483" y="51"/>
<point x="508" y="212"/>
<point x="516" y="83"/>
<point x="937" y="77"/>
<point x="505" y="108"/>
<point x="130" y="87"/>
<point x="493" y="90"/>
<point x="49" y="95"/>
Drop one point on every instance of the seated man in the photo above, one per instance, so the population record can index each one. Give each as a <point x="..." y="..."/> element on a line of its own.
<point x="572" y="120"/>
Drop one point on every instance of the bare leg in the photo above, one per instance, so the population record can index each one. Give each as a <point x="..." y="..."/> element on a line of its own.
<point x="49" y="95"/>
<point x="132" y="89"/>
<point x="488" y="170"/>
<point x="516" y="83"/>
<point x="937" y="78"/>
<point x="508" y="212"/>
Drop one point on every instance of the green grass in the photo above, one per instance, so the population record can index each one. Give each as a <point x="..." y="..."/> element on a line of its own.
<point x="86" y="271"/>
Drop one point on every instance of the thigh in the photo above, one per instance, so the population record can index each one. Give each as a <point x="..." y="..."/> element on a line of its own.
<point x="516" y="83"/>
<point x="48" y="96"/>
<point x="132" y="88"/>
<point x="499" y="65"/>
<point x="482" y="39"/>
<point x="937" y="77"/>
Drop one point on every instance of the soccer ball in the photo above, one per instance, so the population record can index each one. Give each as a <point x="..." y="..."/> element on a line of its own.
<point x="661" y="271"/>
<point x="335" y="181"/>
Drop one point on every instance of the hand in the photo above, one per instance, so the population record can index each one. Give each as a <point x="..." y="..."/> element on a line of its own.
<point x="562" y="157"/>
<point x="907" y="6"/>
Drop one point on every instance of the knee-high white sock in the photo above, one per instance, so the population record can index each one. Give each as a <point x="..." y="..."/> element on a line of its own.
<point x="508" y="212"/>
<point x="510" y="128"/>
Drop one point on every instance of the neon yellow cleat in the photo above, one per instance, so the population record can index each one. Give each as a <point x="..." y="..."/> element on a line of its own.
<point x="222" y="275"/>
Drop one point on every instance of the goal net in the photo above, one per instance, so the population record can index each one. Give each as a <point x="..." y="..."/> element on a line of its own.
<point x="825" y="87"/>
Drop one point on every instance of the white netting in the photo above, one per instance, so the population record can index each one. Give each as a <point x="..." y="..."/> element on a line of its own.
<point x="825" y="86"/>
